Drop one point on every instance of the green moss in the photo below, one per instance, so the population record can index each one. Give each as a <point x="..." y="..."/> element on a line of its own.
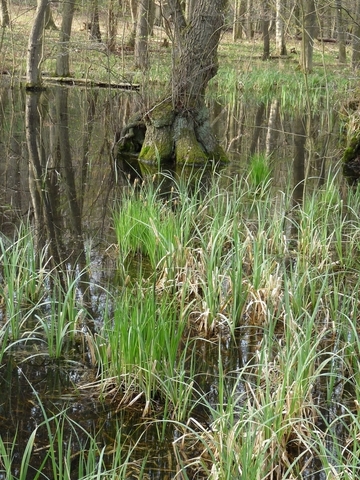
<point x="219" y="155"/>
<point x="353" y="149"/>
<point x="158" y="145"/>
<point x="188" y="150"/>
<point x="162" y="114"/>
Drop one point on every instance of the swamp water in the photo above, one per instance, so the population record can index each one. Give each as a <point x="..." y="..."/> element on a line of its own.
<point x="64" y="136"/>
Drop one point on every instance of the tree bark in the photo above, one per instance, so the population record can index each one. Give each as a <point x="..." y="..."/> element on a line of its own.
<point x="239" y="12"/>
<point x="133" y="10"/>
<point x="309" y="31"/>
<point x="249" y="19"/>
<point x="95" y="33"/>
<point x="141" y="56"/>
<point x="62" y="62"/>
<point x="111" y="25"/>
<point x="340" y="32"/>
<point x="35" y="44"/>
<point x="49" y="20"/>
<point x="280" y="33"/>
<point x="4" y="14"/>
<point x="266" y="15"/>
<point x="355" y="59"/>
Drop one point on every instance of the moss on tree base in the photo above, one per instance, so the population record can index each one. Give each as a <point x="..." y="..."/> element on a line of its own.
<point x="173" y="135"/>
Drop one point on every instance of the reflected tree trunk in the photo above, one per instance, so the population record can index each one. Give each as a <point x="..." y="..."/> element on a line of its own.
<point x="40" y="185"/>
<point x="62" y="61"/>
<point x="257" y="128"/>
<point x="272" y="130"/>
<point x="88" y="126"/>
<point x="35" y="46"/>
<point x="299" y="159"/>
<point x="4" y="13"/>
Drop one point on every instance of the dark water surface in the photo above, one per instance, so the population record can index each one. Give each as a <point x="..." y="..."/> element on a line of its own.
<point x="64" y="136"/>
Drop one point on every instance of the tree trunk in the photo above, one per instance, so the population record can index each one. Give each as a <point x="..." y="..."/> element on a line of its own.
<point x="266" y="15"/>
<point x="280" y="33"/>
<point x="355" y="59"/>
<point x="49" y="20"/>
<point x="4" y="14"/>
<point x="141" y="57"/>
<point x="133" y="10"/>
<point x="190" y="6"/>
<point x="249" y="18"/>
<point x="62" y="62"/>
<point x="309" y="30"/>
<point x="111" y="25"/>
<point x="35" y="45"/>
<point x="178" y="127"/>
<point x="239" y="12"/>
<point x="95" y="33"/>
<point x="340" y="32"/>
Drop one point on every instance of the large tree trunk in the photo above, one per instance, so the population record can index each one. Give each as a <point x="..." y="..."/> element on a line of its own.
<point x="178" y="127"/>
<point x="33" y="74"/>
<point x="62" y="62"/>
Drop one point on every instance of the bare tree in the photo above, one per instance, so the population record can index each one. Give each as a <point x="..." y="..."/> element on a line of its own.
<point x="340" y="32"/>
<point x="355" y="59"/>
<point x="280" y="28"/>
<point x="112" y="25"/>
<point x="4" y="14"/>
<point x="33" y="75"/>
<point x="141" y="56"/>
<point x="266" y="17"/>
<point x="62" y="62"/>
<point x="178" y="127"/>
<point x="95" y="33"/>
<point x="134" y="14"/>
<point x="49" y="19"/>
<point x="239" y="14"/>
<point x="309" y="31"/>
